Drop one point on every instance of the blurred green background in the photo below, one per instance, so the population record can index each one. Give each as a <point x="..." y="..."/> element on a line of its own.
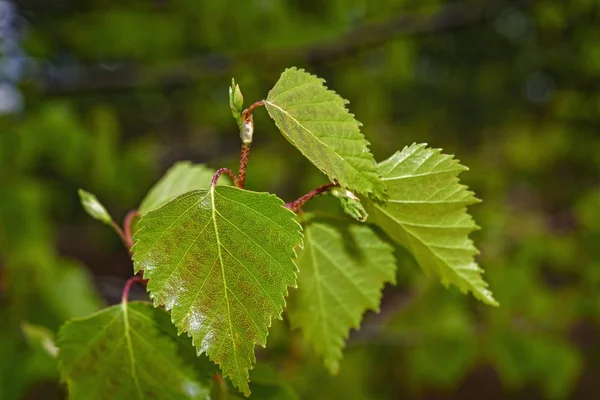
<point x="106" y="95"/>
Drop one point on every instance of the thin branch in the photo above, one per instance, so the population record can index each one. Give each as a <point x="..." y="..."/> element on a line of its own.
<point x="247" y="113"/>
<point x="298" y="203"/>
<point x="127" y="225"/>
<point x="120" y="232"/>
<point x="126" y="76"/>
<point x="244" y="154"/>
<point x="221" y="172"/>
<point x="127" y="288"/>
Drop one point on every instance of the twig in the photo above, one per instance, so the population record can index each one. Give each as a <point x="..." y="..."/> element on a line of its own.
<point x="127" y="225"/>
<point x="220" y="172"/>
<point x="127" y="288"/>
<point x="245" y="153"/>
<point x="120" y="232"/>
<point x="298" y="203"/>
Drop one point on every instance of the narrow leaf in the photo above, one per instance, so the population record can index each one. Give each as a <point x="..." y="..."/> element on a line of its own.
<point x="426" y="213"/>
<point x="93" y="207"/>
<point x="221" y="260"/>
<point x="315" y="120"/>
<point x="343" y="269"/>
<point x="182" y="177"/>
<point x="128" y="351"/>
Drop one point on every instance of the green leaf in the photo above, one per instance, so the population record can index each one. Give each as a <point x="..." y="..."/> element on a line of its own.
<point x="343" y="269"/>
<point x="40" y="337"/>
<point x="236" y="102"/>
<point x="350" y="204"/>
<point x="182" y="177"/>
<point x="315" y="120"/>
<point x="221" y="260"/>
<point x="127" y="351"/>
<point x="93" y="207"/>
<point x="426" y="213"/>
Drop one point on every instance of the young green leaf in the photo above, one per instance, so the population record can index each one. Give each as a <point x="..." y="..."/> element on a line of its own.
<point x="221" y="260"/>
<point x="128" y="351"/>
<point x="343" y="269"/>
<point x="182" y="177"/>
<point x="93" y="207"/>
<point x="315" y="120"/>
<point x="350" y="203"/>
<point x="426" y="213"/>
<point x="236" y="102"/>
<point x="40" y="337"/>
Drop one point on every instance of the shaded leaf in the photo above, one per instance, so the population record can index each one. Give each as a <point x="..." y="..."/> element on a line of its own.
<point x="426" y="213"/>
<point x="93" y="207"/>
<point x="343" y="269"/>
<point x="41" y="337"/>
<point x="221" y="260"/>
<point x="315" y="120"/>
<point x="182" y="177"/>
<point x="127" y="351"/>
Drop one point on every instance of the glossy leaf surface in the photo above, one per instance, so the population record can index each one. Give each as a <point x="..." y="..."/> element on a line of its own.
<point x="221" y="260"/>
<point x="315" y="120"/>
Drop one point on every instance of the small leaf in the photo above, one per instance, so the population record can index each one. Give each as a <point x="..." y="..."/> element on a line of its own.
<point x="93" y="207"/>
<point x="127" y="351"/>
<point x="343" y="269"/>
<point x="236" y="102"/>
<point x="41" y="337"/>
<point x="315" y="120"/>
<point x="350" y="204"/>
<point x="221" y="260"/>
<point x="426" y="213"/>
<point x="182" y="177"/>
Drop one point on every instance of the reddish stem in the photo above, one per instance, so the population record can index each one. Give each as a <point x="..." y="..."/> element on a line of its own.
<point x="120" y="232"/>
<point x="244" y="154"/>
<point x="220" y="172"/>
<point x="127" y="225"/>
<point x="248" y="111"/>
<point x="127" y="288"/>
<point x="297" y="204"/>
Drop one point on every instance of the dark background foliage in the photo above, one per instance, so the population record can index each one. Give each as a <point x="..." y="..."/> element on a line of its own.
<point x="106" y="95"/>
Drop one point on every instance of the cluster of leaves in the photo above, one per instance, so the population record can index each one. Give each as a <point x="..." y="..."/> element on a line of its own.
<point x="509" y="91"/>
<point x="220" y="259"/>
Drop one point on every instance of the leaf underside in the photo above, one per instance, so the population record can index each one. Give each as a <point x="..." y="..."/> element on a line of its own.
<point x="343" y="269"/>
<point x="128" y="351"/>
<point x="426" y="212"/>
<point x="315" y="120"/>
<point x="221" y="260"/>
<point x="182" y="177"/>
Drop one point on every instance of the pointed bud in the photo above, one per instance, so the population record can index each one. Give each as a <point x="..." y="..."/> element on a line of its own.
<point x="93" y="207"/>
<point x="350" y="203"/>
<point x="236" y="102"/>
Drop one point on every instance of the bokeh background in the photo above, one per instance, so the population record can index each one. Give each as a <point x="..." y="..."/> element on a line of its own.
<point x="106" y="95"/>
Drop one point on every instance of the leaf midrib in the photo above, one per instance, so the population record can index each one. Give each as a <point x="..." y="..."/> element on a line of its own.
<point x="318" y="140"/>
<point x="217" y="237"/>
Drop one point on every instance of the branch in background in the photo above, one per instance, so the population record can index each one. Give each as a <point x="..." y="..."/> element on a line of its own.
<point x="126" y="76"/>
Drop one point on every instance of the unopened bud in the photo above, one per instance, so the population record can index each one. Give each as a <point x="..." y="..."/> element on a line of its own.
<point x="350" y="203"/>
<point x="236" y="102"/>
